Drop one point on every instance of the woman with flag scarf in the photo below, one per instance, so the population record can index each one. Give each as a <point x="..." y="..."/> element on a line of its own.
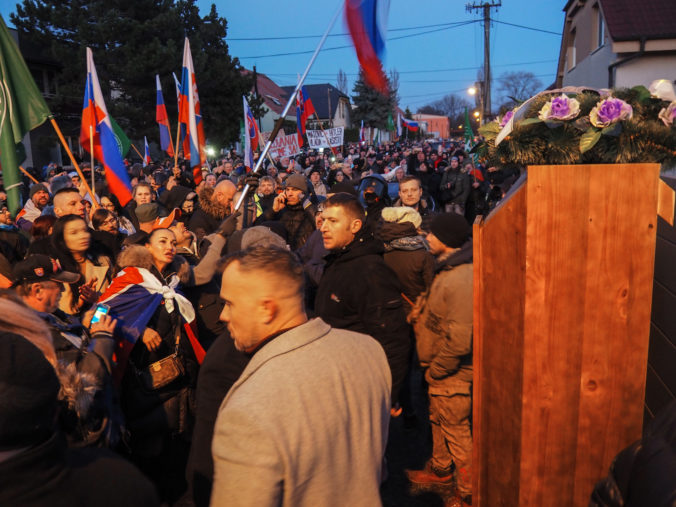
<point x="159" y="353"/>
<point x="154" y="318"/>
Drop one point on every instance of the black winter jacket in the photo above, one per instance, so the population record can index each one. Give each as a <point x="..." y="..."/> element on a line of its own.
<point x="360" y="293"/>
<point x="50" y="474"/>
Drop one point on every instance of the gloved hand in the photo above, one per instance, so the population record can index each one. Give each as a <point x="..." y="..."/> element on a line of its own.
<point x="252" y="180"/>
<point x="228" y="225"/>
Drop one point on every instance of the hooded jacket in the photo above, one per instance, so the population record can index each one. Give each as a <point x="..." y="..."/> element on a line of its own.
<point x="406" y="255"/>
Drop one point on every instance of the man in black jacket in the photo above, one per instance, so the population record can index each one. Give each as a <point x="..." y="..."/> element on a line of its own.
<point x="358" y="291"/>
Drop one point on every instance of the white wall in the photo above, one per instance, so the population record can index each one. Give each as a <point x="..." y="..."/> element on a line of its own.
<point x="591" y="71"/>
<point x="645" y="70"/>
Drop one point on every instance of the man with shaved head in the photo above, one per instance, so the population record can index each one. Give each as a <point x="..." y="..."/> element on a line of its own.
<point x="306" y="423"/>
<point x="215" y="203"/>
<point x="68" y="201"/>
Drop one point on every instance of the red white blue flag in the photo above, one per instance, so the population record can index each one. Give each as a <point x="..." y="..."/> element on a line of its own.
<point x="190" y="118"/>
<point x="146" y="153"/>
<point x="162" y="120"/>
<point x="133" y="296"/>
<point x="367" y="22"/>
<point x="250" y="136"/>
<point x="304" y="109"/>
<point x="362" y="133"/>
<point x="96" y="124"/>
<point x="410" y="124"/>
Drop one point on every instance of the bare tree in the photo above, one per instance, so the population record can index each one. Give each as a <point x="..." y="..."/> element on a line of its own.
<point x="451" y="105"/>
<point x="342" y="81"/>
<point x="516" y="87"/>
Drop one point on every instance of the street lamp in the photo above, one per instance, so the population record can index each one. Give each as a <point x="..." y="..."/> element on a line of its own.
<point x="476" y="90"/>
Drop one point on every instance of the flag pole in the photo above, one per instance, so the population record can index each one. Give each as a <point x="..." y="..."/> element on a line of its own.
<point x="139" y="153"/>
<point x="262" y="140"/>
<point x="32" y="178"/>
<point x="292" y="98"/>
<point x="91" y="152"/>
<point x="178" y="136"/>
<point x="73" y="161"/>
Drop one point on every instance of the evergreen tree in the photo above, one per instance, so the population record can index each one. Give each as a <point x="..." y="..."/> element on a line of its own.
<point x="372" y="106"/>
<point x="133" y="41"/>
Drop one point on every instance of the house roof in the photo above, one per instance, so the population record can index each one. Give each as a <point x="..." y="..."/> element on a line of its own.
<point x="633" y="20"/>
<point x="274" y="97"/>
<point x="320" y="98"/>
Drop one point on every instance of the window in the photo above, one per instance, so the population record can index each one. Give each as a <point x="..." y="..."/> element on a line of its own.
<point x="600" y="28"/>
<point x="571" y="57"/>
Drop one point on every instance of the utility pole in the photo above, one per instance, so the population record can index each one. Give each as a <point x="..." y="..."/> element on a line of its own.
<point x="328" y="94"/>
<point x="255" y="77"/>
<point x="486" y="88"/>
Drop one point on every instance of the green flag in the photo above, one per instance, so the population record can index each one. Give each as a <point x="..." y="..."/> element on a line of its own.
<point x="22" y="109"/>
<point x="123" y="142"/>
<point x="469" y="134"/>
<point x="390" y="122"/>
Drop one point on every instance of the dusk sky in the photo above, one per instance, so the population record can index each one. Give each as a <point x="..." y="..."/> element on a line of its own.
<point x="435" y="58"/>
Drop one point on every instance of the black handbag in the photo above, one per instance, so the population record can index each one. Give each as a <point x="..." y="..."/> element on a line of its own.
<point x="163" y="372"/>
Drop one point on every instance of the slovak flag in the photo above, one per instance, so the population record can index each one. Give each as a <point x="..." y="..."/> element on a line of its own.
<point x="96" y="123"/>
<point x="362" y="134"/>
<point x="367" y="23"/>
<point x="190" y="118"/>
<point x="162" y="120"/>
<point x="133" y="296"/>
<point x="410" y="124"/>
<point x="304" y="109"/>
<point x="146" y="153"/>
<point x="250" y="136"/>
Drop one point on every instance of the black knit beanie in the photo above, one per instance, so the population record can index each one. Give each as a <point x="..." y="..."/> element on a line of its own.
<point x="451" y="229"/>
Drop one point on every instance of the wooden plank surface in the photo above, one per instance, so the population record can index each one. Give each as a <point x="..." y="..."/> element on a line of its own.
<point x="558" y="200"/>
<point x="590" y="250"/>
<point x="620" y="257"/>
<point x="499" y="286"/>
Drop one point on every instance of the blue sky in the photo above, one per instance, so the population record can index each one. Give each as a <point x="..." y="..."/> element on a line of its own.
<point x="431" y="65"/>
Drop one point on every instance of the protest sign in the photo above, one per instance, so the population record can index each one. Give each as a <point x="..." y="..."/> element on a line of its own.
<point x="285" y="146"/>
<point x="318" y="139"/>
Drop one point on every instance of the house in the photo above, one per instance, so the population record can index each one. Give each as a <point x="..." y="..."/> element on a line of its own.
<point x="332" y="105"/>
<point x="617" y="43"/>
<point x="274" y="100"/>
<point x="434" y="125"/>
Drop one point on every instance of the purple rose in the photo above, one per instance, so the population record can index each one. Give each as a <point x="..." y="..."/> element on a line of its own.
<point x="560" y="108"/>
<point x="506" y="118"/>
<point x="610" y="111"/>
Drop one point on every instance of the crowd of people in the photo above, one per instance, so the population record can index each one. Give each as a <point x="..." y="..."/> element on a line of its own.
<point x="178" y="350"/>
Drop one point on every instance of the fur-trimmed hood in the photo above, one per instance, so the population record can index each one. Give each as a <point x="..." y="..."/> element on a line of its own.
<point x="211" y="208"/>
<point x="139" y="257"/>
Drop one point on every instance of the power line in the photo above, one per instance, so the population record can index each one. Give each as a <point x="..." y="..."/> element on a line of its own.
<point x="526" y="27"/>
<point x="422" y="71"/>
<point x="292" y="37"/>
<point x="350" y="45"/>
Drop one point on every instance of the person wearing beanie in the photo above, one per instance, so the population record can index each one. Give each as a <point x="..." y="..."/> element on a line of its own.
<point x="443" y="327"/>
<point x="293" y="210"/>
<point x="36" y="468"/>
<point x="39" y="199"/>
